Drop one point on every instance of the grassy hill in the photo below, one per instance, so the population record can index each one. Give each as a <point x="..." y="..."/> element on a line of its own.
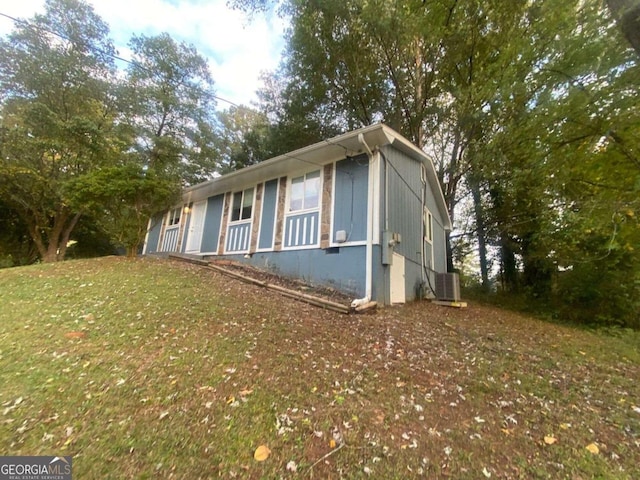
<point x="157" y="369"/>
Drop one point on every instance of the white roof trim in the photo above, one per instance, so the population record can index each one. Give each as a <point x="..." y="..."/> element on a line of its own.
<point x="318" y="154"/>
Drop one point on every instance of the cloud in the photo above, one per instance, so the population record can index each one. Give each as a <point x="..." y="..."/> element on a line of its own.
<point x="238" y="50"/>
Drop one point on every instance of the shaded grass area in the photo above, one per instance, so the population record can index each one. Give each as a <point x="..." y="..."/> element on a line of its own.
<point x="183" y="373"/>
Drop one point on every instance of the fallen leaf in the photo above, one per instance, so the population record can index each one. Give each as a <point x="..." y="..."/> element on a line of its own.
<point x="75" y="334"/>
<point x="593" y="448"/>
<point x="245" y="392"/>
<point x="550" y="440"/>
<point x="261" y="453"/>
<point x="486" y="472"/>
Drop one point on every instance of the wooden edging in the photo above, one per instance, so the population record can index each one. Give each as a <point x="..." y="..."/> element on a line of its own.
<point x="294" y="294"/>
<point x="450" y="304"/>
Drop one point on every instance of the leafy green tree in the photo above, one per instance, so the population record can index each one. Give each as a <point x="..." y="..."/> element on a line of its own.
<point x="122" y="198"/>
<point x="627" y="14"/>
<point x="243" y="137"/>
<point x="56" y="115"/>
<point x="168" y="104"/>
<point x="529" y="108"/>
<point x="165" y="130"/>
<point x="16" y="246"/>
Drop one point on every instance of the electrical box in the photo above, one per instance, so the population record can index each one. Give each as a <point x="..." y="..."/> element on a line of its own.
<point x="389" y="240"/>
<point x="341" y="236"/>
<point x="387" y="248"/>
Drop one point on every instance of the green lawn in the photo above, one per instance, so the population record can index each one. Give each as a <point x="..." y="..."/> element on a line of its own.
<point x="157" y="369"/>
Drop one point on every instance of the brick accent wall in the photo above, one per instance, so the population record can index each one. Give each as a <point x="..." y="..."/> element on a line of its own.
<point x="225" y="221"/>
<point x="282" y="197"/>
<point x="325" y="221"/>
<point x="163" y="227"/>
<point x="255" y="222"/>
<point x="183" y="224"/>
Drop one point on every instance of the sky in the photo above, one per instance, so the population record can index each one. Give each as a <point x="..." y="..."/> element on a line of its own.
<point x="237" y="48"/>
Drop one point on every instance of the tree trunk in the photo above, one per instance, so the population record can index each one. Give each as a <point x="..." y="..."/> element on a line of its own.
<point x="132" y="250"/>
<point x="449" y="251"/>
<point x="36" y="236"/>
<point x="66" y="234"/>
<point x="510" y="281"/>
<point x="538" y="269"/>
<point x="53" y="246"/>
<point x="509" y="267"/>
<point x="450" y="189"/>
<point x="627" y="15"/>
<point x="480" y="231"/>
<point x="51" y="254"/>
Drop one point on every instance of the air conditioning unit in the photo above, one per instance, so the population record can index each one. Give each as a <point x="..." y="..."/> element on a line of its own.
<point x="448" y="287"/>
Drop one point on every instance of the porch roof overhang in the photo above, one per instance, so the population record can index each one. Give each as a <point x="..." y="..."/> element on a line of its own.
<point x="318" y="154"/>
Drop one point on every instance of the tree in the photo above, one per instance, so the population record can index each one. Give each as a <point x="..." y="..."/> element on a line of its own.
<point x="122" y="198"/>
<point x="168" y="103"/>
<point x="16" y="247"/>
<point x="529" y="107"/>
<point x="242" y="139"/>
<point x="56" y="115"/>
<point x="627" y="14"/>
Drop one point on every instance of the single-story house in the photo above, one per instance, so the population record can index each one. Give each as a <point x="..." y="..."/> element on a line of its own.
<point x="362" y="212"/>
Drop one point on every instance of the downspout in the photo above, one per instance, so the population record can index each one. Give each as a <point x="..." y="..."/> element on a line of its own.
<point x="369" y="244"/>
<point x="423" y="200"/>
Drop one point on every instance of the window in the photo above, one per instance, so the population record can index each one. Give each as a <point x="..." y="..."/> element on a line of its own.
<point x="242" y="205"/>
<point x="428" y="226"/>
<point x="305" y="192"/>
<point x="174" y="217"/>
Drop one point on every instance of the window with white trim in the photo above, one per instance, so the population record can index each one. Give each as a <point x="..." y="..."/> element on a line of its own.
<point x="428" y="226"/>
<point x="305" y="192"/>
<point x="242" y="205"/>
<point x="174" y="217"/>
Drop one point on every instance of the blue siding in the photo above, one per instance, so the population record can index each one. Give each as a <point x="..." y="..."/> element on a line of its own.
<point x="302" y="230"/>
<point x="267" y="222"/>
<point x="238" y="237"/>
<point x="405" y="217"/>
<point x="344" y="271"/>
<point x="350" y="198"/>
<point x="379" y="286"/>
<point x="405" y="203"/>
<point x="212" y="221"/>
<point x="412" y="280"/>
<point x="154" y="234"/>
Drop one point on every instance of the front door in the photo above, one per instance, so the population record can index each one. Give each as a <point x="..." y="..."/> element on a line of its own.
<point x="194" y="238"/>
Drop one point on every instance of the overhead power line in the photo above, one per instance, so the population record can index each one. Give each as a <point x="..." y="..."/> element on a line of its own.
<point x="111" y="55"/>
